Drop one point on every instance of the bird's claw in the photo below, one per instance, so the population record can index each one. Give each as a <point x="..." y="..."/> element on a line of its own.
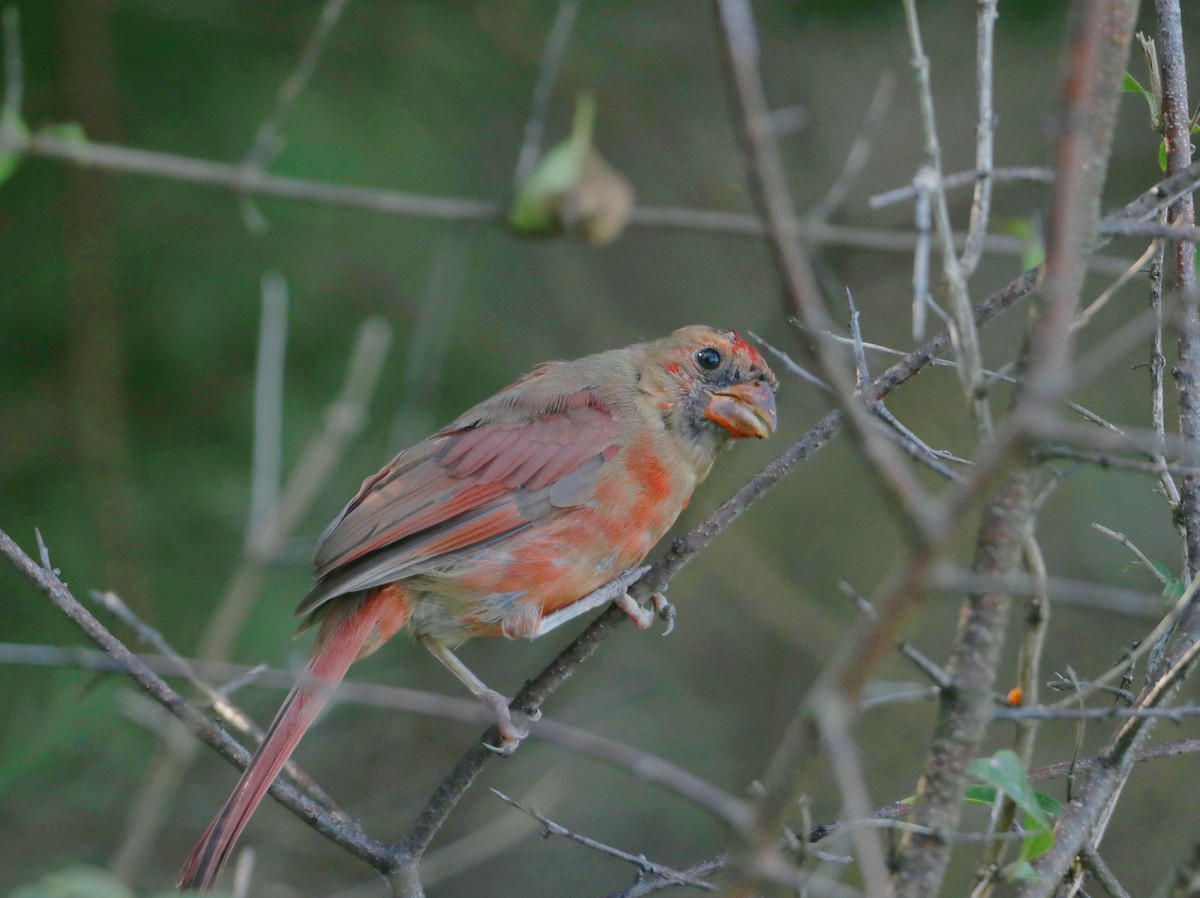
<point x="665" y="610"/>
<point x="643" y="618"/>
<point x="510" y="733"/>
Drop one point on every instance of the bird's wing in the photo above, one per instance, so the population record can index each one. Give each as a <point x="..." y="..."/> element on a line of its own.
<point x="463" y="488"/>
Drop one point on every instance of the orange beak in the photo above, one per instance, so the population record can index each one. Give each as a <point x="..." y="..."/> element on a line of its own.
<point x="745" y="410"/>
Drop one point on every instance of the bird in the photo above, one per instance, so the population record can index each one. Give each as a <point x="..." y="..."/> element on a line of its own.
<point x="502" y="521"/>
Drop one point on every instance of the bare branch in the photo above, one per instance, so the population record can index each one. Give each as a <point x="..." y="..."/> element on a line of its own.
<point x="343" y="833"/>
<point x="267" y="141"/>
<point x="552" y="54"/>
<point x="962" y="179"/>
<point x="981" y="204"/>
<point x="640" y="861"/>
<point x="966" y="338"/>
<point x="735" y="19"/>
<point x="860" y="150"/>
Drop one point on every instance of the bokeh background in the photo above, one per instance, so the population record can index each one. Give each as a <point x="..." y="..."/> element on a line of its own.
<point x="129" y="315"/>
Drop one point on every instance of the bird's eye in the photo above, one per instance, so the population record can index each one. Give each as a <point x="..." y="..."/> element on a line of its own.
<point x="708" y="358"/>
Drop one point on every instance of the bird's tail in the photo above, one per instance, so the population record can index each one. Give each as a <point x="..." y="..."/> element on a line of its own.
<point x="350" y="630"/>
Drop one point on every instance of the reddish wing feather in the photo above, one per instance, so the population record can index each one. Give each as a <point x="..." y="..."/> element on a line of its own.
<point x="458" y="489"/>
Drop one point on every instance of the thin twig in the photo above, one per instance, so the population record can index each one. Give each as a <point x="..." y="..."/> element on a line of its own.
<point x="852" y="786"/>
<point x="1085" y="317"/>
<point x="267" y="465"/>
<point x="962" y="179"/>
<point x="648" y="885"/>
<point x="267" y="142"/>
<point x="643" y="765"/>
<point x="552" y="54"/>
<point x="966" y="337"/>
<point x="981" y="204"/>
<point x="341" y="832"/>
<point x="791" y="365"/>
<point x="218" y="699"/>
<point x="1095" y="863"/>
<point x="1158" y="364"/>
<point x="860" y="150"/>
<point x="735" y="20"/>
<point x="113" y="157"/>
<point x="640" y="860"/>
<point x="1124" y="540"/>
<point x="344" y="418"/>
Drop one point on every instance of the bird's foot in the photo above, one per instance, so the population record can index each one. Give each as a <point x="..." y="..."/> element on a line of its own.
<point x="511" y="733"/>
<point x="665" y="610"/>
<point x="643" y="618"/>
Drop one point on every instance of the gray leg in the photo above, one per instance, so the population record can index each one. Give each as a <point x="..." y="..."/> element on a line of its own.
<point x="510" y="733"/>
<point x="612" y="591"/>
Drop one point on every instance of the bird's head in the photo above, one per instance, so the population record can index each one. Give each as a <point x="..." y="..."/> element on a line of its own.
<point x="710" y="385"/>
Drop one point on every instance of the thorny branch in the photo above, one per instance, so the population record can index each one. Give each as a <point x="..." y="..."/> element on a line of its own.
<point x="1098" y="44"/>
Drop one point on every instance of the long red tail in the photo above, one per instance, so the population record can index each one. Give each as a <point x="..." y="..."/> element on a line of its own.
<point x="344" y="637"/>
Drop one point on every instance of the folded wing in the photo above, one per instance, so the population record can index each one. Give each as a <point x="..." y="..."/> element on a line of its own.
<point x="462" y="489"/>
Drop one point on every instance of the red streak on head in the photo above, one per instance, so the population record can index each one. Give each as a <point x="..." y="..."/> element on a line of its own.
<point x="741" y="347"/>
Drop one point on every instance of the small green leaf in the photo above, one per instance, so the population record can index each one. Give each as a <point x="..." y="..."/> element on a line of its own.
<point x="1036" y="843"/>
<point x="1175" y="589"/>
<point x="1130" y="85"/>
<point x="1048" y="803"/>
<point x="1004" y="771"/>
<point x="981" y="795"/>
<point x="14" y="125"/>
<point x="1162" y="155"/>
<point x="1034" y="252"/>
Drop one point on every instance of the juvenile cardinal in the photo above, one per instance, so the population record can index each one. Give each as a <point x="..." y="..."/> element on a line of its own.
<point x="499" y="523"/>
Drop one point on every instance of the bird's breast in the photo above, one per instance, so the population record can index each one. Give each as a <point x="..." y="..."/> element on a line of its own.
<point x="565" y="557"/>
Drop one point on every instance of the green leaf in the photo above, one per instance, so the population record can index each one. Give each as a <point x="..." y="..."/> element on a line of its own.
<point x="1130" y="85"/>
<point x="11" y="121"/>
<point x="1034" y="252"/>
<point x="1162" y="155"/>
<point x="1004" y="771"/>
<point x="981" y="795"/>
<point x="1175" y="589"/>
<point x="535" y="208"/>
<point x="1049" y="804"/>
<point x="1036" y="843"/>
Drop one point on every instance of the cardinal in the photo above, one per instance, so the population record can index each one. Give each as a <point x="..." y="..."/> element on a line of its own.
<point x="500" y="523"/>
